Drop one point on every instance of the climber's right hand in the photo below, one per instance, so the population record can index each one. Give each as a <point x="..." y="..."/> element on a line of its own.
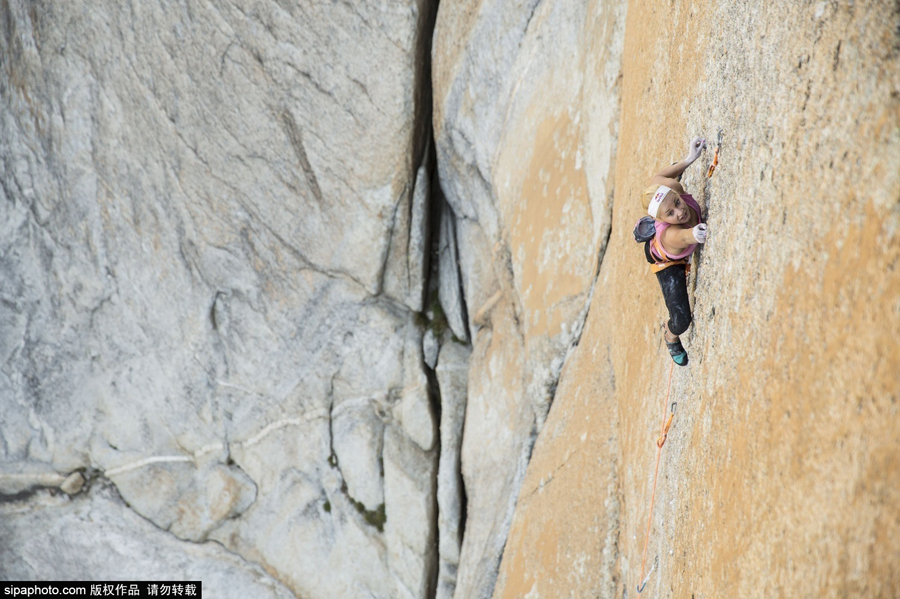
<point x="699" y="233"/>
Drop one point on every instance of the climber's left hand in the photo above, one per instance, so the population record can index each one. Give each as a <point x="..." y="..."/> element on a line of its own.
<point x="698" y="144"/>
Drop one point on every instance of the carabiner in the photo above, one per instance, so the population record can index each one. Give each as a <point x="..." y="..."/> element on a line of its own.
<point x="641" y="586"/>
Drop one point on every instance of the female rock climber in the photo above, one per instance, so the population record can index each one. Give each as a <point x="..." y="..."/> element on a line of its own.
<point x="679" y="228"/>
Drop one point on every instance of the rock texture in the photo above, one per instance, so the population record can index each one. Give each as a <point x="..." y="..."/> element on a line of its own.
<point x="526" y="105"/>
<point x="452" y="375"/>
<point x="214" y="240"/>
<point x="97" y="537"/>
<point x="780" y="474"/>
<point x="287" y="290"/>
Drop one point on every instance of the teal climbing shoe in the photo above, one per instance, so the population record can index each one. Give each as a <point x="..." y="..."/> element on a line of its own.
<point x="676" y="350"/>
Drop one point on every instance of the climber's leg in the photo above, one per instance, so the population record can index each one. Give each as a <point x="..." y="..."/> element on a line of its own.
<point x="673" y="282"/>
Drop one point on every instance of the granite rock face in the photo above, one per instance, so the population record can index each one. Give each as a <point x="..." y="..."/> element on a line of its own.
<point x="214" y="243"/>
<point x="287" y="290"/>
<point x="779" y="476"/>
<point x="452" y="375"/>
<point x="95" y="536"/>
<point x="525" y="115"/>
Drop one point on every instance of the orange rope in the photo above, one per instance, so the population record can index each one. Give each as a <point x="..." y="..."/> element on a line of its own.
<point x="663" y="434"/>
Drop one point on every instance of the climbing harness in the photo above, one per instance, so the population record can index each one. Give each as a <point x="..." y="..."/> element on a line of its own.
<point x="658" y="258"/>
<point x="715" y="162"/>
<point x="663" y="435"/>
<point x="667" y="262"/>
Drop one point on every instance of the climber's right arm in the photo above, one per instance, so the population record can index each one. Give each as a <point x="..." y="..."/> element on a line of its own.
<point x="677" y="238"/>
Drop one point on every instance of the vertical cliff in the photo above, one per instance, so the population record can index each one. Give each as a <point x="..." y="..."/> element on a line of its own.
<point x="525" y="113"/>
<point x="340" y="299"/>
<point x="780" y="474"/>
<point x="213" y="269"/>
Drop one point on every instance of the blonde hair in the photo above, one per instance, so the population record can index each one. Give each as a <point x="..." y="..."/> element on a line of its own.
<point x="647" y="196"/>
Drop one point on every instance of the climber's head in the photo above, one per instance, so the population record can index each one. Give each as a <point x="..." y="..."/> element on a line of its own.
<point x="664" y="204"/>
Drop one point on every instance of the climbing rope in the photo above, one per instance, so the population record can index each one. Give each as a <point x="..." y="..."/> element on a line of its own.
<point x="663" y="435"/>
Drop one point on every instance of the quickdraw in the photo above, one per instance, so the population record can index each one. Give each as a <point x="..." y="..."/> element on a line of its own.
<point x="667" y="262"/>
<point x="644" y="584"/>
<point x="715" y="162"/>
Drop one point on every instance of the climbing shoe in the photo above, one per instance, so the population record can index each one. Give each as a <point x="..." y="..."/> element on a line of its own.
<point x="676" y="350"/>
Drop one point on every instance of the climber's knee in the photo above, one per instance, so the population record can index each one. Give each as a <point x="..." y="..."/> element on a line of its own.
<point x="679" y="323"/>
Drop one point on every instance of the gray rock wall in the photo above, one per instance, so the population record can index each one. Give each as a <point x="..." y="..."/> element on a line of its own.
<point x="246" y="295"/>
<point x="104" y="540"/>
<point x="214" y="248"/>
<point x="525" y="121"/>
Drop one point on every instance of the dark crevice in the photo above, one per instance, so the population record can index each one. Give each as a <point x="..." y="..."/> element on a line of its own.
<point x="436" y="321"/>
<point x="375" y="518"/>
<point x="295" y="136"/>
<point x="88" y="475"/>
<point x="434" y="396"/>
<point x="464" y="497"/>
<point x="530" y="17"/>
<point x="431" y="232"/>
<point x="424" y="154"/>
<point x="423" y="96"/>
<point x="464" y="310"/>
<point x="27" y="493"/>
<point x="439" y="201"/>
<point x="332" y="457"/>
<point x="407" y="192"/>
<point x="422" y="142"/>
<point x="423" y="146"/>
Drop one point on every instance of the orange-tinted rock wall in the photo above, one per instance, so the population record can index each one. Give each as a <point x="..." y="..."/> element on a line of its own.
<point x="781" y="474"/>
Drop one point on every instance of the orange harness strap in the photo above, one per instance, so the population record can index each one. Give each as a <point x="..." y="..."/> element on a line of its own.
<point x="660" y="266"/>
